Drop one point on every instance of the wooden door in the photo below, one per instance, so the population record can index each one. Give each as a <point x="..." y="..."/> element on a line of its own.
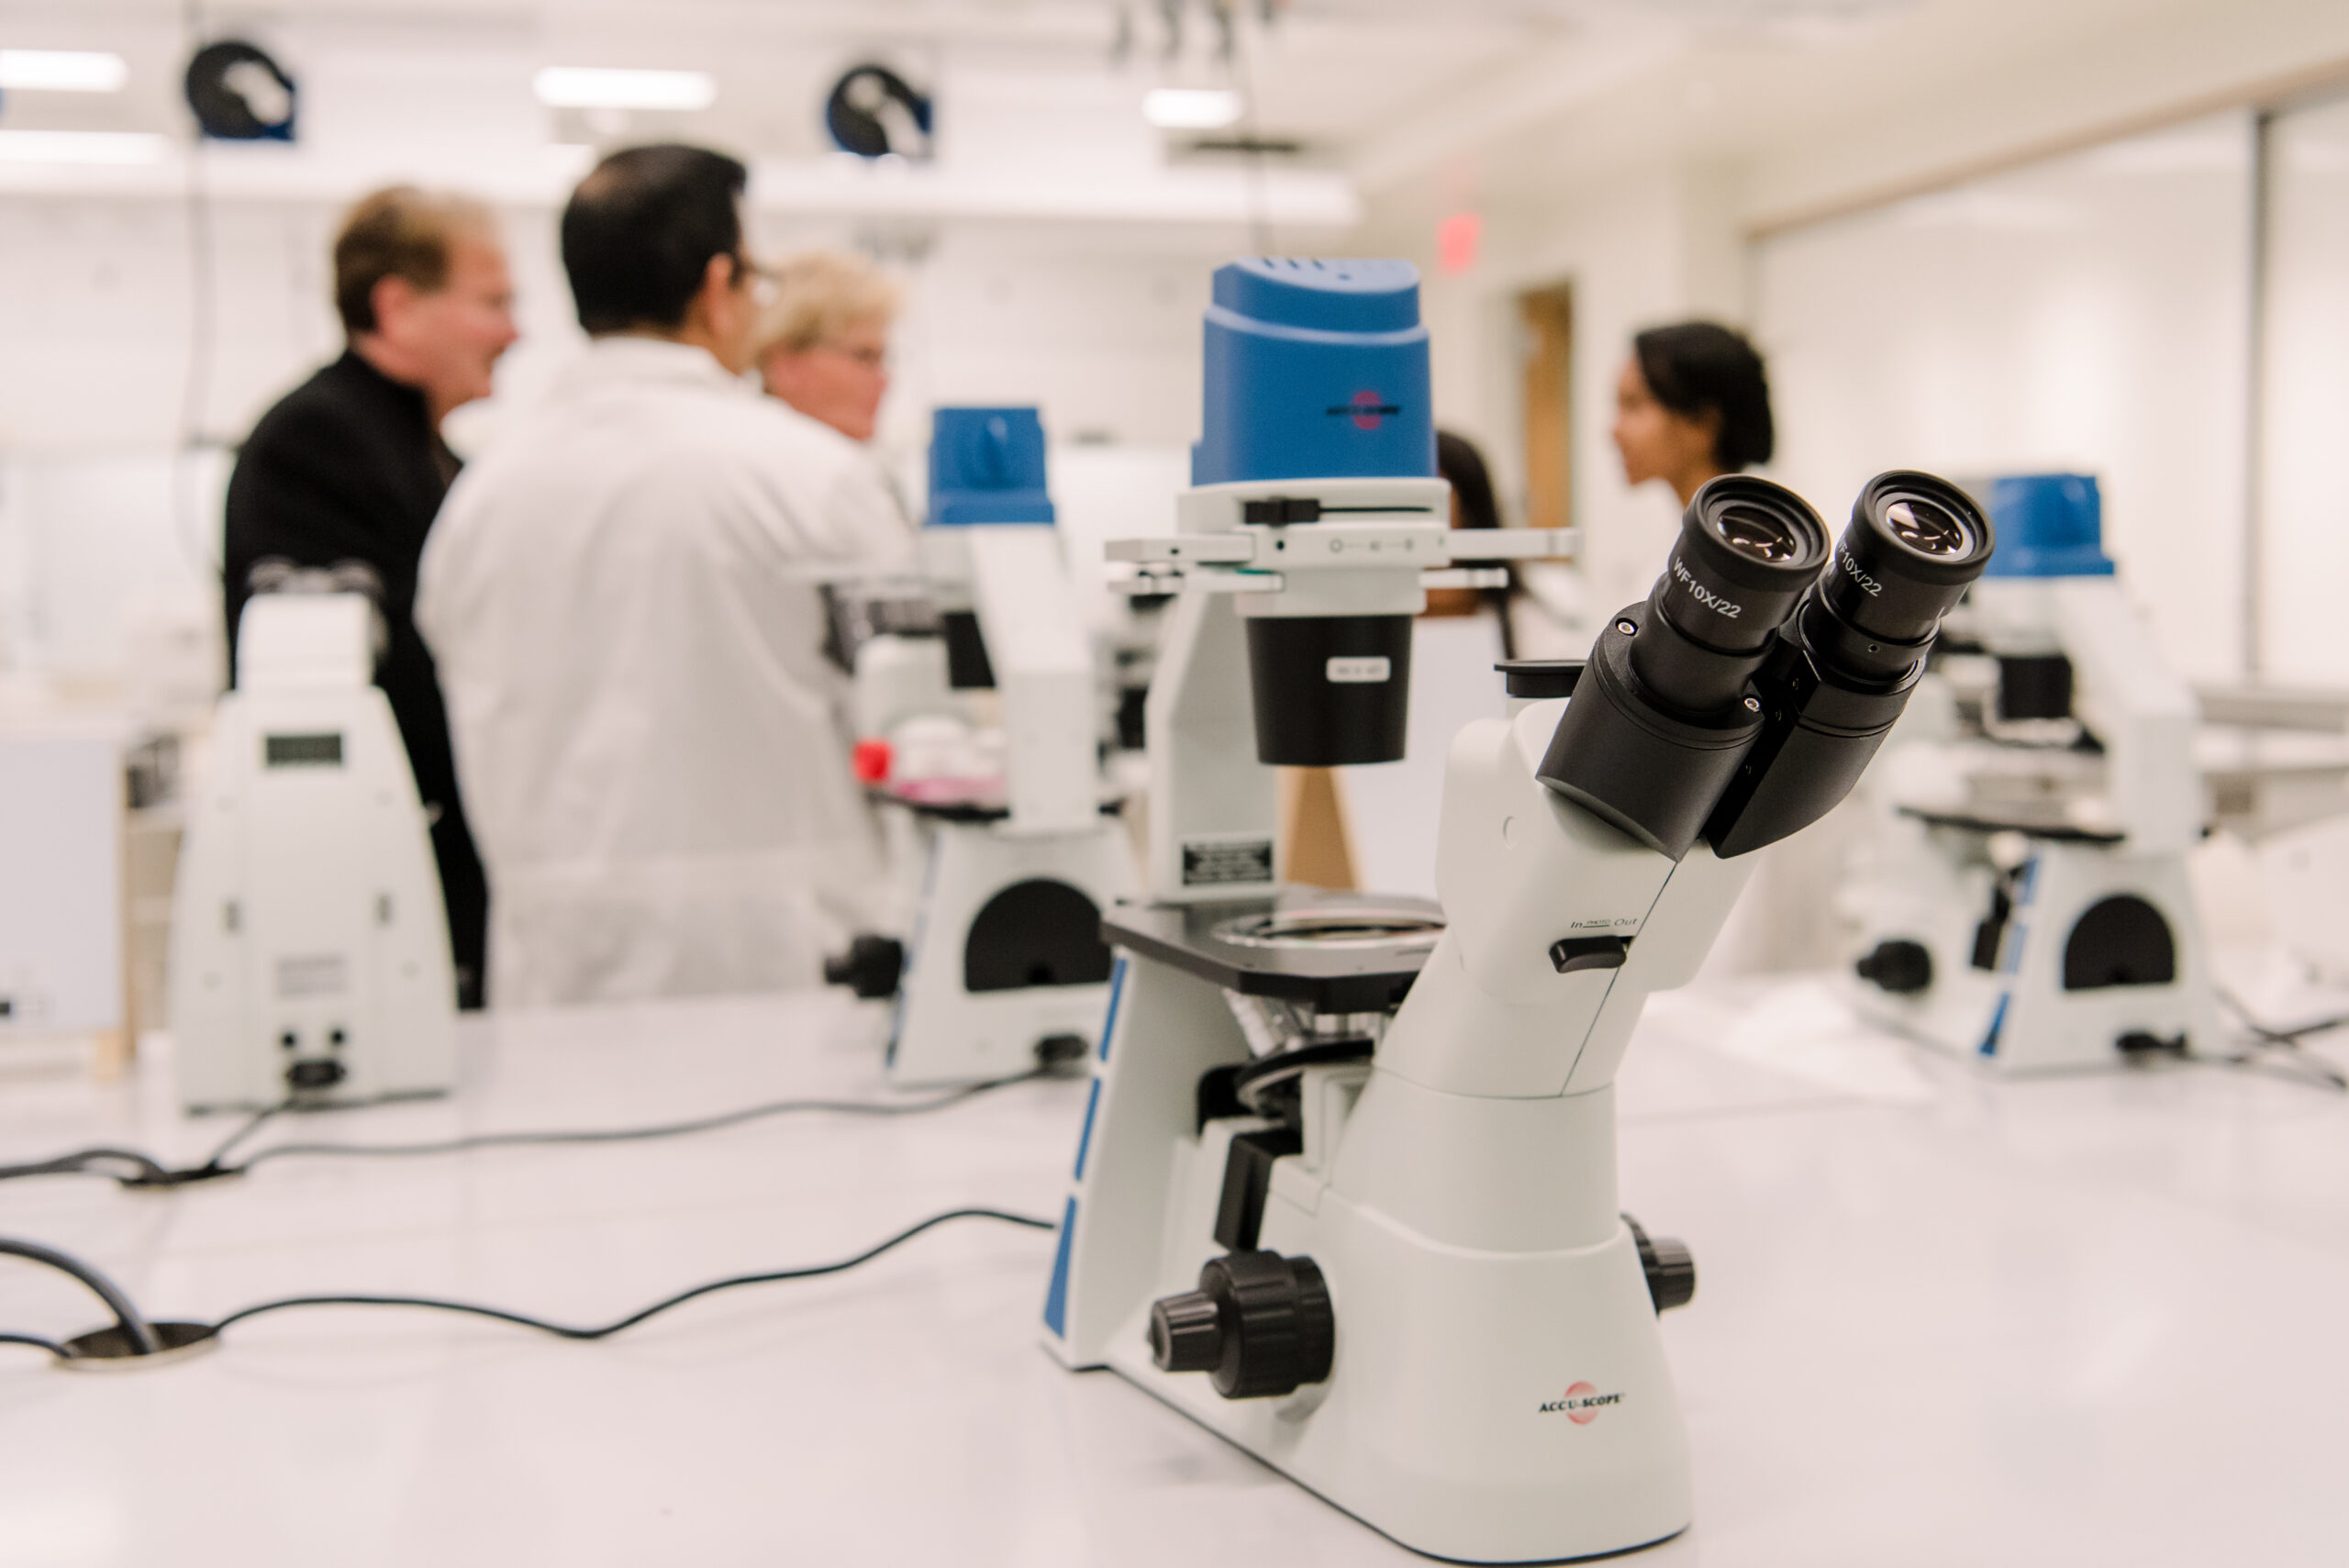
<point x="1546" y="317"/>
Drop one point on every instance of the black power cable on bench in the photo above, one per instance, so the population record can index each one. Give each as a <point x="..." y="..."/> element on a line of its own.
<point x="2282" y="1050"/>
<point x="133" y="1336"/>
<point x="148" y="1174"/>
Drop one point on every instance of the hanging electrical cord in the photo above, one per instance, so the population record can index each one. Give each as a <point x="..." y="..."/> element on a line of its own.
<point x="130" y="1323"/>
<point x="147" y="1173"/>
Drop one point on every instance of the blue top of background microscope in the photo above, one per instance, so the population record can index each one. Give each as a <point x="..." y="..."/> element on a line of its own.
<point x="1315" y="370"/>
<point x="986" y="466"/>
<point x="2050" y="524"/>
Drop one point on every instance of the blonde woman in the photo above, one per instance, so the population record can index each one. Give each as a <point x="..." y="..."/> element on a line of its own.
<point x="823" y="352"/>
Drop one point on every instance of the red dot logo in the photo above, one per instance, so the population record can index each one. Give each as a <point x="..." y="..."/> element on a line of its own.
<point x="1579" y="1410"/>
<point x="1370" y="410"/>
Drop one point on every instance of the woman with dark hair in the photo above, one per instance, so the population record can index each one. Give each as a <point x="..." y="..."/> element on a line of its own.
<point x="1473" y="505"/>
<point x="1462" y="466"/>
<point x="1693" y="403"/>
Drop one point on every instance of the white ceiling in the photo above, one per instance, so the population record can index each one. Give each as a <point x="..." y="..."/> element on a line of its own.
<point x="1432" y="103"/>
<point x="1336" y="75"/>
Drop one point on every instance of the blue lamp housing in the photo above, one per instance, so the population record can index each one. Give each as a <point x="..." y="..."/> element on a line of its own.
<point x="986" y="466"/>
<point x="2050" y="524"/>
<point x="1315" y="369"/>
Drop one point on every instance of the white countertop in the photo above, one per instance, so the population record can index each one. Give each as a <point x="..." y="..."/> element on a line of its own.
<point x="1940" y="1319"/>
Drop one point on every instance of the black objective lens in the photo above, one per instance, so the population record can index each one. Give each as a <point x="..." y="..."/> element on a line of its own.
<point x="1747" y="550"/>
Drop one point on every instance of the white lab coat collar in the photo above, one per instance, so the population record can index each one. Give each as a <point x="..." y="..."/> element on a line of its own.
<point x="630" y="359"/>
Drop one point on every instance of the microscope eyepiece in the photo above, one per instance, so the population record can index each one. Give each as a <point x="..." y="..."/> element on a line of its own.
<point x="1914" y="545"/>
<point x="1746" y="552"/>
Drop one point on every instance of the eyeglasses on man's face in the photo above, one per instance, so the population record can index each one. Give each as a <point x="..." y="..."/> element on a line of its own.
<point x="749" y="274"/>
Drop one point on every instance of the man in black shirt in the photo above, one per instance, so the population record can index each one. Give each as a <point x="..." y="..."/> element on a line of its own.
<point x="351" y="467"/>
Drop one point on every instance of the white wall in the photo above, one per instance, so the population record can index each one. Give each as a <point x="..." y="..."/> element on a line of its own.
<point x="92" y="541"/>
<point x="1105" y="338"/>
<point x="1649" y="245"/>
<point x="2091" y="313"/>
<point x="1100" y="325"/>
<point x="2305" y="501"/>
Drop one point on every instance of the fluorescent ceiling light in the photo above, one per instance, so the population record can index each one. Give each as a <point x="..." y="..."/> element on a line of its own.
<point x="1190" y="108"/>
<point x="587" y="87"/>
<point x="81" y="146"/>
<point x="61" y="70"/>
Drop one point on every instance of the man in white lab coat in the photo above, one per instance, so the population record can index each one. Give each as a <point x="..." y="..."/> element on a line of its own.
<point x="619" y="598"/>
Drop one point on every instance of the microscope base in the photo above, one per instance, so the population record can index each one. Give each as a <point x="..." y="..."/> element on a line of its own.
<point x="1484" y="1408"/>
<point x="1499" y="1396"/>
<point x="2103" y="959"/>
<point x="1007" y="951"/>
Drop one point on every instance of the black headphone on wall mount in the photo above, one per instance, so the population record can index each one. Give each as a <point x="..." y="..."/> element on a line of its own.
<point x="858" y="101"/>
<point x="239" y="94"/>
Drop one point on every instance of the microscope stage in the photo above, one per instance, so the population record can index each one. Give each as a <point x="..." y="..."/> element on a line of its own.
<point x="1340" y="953"/>
<point x="2031" y="824"/>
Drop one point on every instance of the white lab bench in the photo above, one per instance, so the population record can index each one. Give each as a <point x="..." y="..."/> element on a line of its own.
<point x="1939" y="1319"/>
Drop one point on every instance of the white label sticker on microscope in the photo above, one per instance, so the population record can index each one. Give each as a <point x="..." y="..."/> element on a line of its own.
<point x="1359" y="670"/>
<point x="1208" y="862"/>
<point x="312" y="974"/>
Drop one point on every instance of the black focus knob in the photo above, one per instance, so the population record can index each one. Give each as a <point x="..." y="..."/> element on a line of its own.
<point x="1058" y="1049"/>
<point x="1900" y="966"/>
<point x="1670" y="1269"/>
<point x="1185" y="1332"/>
<point x="1260" y="1326"/>
<point x="870" y="968"/>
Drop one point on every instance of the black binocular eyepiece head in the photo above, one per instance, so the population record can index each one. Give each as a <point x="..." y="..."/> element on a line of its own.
<point x="1744" y="699"/>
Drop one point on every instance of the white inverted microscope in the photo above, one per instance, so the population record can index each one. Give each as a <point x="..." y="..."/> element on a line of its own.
<point x="1345" y="1192"/>
<point x="2023" y="897"/>
<point x="310" y="956"/>
<point x="1000" y="966"/>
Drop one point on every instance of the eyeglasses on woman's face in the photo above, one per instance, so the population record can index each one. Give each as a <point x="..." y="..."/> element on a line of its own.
<point x="866" y="355"/>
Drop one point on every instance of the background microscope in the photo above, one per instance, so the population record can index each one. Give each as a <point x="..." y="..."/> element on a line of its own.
<point x="309" y="953"/>
<point x="980" y="738"/>
<point x="2024" y="896"/>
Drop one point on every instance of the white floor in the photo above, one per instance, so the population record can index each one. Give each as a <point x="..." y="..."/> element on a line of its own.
<point x="1941" y="1321"/>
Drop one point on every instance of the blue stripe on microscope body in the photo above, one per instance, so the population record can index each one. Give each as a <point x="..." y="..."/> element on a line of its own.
<point x="1085" y="1138"/>
<point x="1056" y="1297"/>
<point x="1990" y="1046"/>
<point x="1116" y="994"/>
